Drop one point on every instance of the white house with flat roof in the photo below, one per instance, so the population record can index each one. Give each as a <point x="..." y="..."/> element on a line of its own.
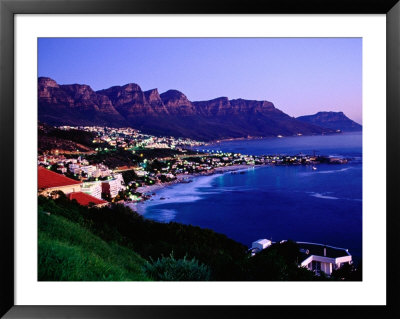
<point x="323" y="258"/>
<point x="259" y="245"/>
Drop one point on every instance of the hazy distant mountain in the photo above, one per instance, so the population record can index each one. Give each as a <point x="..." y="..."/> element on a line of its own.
<point x="169" y="113"/>
<point x="332" y="120"/>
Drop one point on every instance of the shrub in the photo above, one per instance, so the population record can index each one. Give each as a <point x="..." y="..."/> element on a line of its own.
<point x="171" y="269"/>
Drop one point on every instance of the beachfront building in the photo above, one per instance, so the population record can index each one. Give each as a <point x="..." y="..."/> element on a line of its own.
<point x="49" y="181"/>
<point x="92" y="188"/>
<point x="322" y="258"/>
<point x="113" y="186"/>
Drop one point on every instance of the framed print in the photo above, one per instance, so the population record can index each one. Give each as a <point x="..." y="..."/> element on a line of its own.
<point x="189" y="160"/>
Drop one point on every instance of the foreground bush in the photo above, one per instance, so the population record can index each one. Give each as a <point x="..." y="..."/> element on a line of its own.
<point x="171" y="269"/>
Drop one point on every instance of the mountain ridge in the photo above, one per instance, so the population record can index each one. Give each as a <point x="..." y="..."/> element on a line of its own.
<point x="169" y="113"/>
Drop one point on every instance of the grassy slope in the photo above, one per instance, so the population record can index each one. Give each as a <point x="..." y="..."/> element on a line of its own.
<point x="68" y="251"/>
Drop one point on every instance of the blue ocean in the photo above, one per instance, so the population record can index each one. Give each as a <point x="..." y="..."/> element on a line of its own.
<point x="275" y="202"/>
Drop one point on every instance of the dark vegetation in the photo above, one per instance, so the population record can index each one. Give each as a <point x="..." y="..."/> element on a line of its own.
<point x="129" y="176"/>
<point x="198" y="254"/>
<point x="348" y="272"/>
<point x="279" y="262"/>
<point x="118" y="157"/>
<point x="51" y="138"/>
<point x="113" y="158"/>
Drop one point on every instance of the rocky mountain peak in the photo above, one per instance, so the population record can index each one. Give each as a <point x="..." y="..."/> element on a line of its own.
<point x="152" y="95"/>
<point x="177" y="103"/>
<point x="47" y="82"/>
<point x="173" y="95"/>
<point x="131" y="87"/>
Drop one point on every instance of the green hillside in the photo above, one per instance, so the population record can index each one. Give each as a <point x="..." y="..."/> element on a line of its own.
<point x="67" y="251"/>
<point x="78" y="243"/>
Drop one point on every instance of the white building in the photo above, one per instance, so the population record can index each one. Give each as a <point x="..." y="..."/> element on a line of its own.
<point x="62" y="169"/>
<point x="92" y="188"/>
<point x="74" y="168"/>
<point x="259" y="245"/>
<point x="101" y="172"/>
<point x="113" y="186"/>
<point x="140" y="172"/>
<point x="89" y="170"/>
<point x="322" y="258"/>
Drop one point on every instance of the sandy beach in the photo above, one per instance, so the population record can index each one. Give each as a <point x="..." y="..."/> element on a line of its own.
<point x="185" y="177"/>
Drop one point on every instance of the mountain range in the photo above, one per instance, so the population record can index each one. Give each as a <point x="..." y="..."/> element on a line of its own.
<point x="170" y="113"/>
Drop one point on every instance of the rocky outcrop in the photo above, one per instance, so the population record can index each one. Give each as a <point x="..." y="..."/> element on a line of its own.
<point x="153" y="98"/>
<point x="129" y="100"/>
<point x="74" y="104"/>
<point x="177" y="103"/>
<point x="217" y="107"/>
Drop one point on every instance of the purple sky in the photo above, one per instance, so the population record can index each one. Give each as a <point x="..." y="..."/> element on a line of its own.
<point x="300" y="76"/>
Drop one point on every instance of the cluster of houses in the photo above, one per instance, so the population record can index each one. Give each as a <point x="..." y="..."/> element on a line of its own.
<point x="318" y="258"/>
<point x="131" y="138"/>
<point x="80" y="167"/>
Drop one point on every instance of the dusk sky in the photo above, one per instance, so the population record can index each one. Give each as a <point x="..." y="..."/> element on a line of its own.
<point x="300" y="76"/>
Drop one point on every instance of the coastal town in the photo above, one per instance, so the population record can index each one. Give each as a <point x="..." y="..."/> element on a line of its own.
<point x="157" y="162"/>
<point x="81" y="177"/>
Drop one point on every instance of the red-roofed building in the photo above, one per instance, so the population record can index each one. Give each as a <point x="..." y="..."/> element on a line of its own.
<point x="86" y="199"/>
<point x="49" y="181"/>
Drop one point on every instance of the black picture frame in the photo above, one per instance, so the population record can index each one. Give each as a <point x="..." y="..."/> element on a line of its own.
<point x="8" y="10"/>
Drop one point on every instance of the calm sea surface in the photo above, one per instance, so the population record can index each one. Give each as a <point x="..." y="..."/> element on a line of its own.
<point x="275" y="202"/>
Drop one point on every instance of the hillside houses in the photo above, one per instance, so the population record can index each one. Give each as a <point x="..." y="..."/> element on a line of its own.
<point x="85" y="193"/>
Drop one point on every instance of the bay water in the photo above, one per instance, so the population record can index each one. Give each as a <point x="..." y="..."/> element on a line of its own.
<point x="275" y="202"/>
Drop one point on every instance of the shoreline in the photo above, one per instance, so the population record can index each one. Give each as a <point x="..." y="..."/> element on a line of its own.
<point x="181" y="178"/>
<point x="249" y="138"/>
<point x="149" y="190"/>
